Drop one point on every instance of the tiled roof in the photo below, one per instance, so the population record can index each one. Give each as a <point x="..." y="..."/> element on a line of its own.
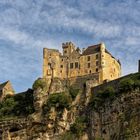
<point x="92" y="49"/>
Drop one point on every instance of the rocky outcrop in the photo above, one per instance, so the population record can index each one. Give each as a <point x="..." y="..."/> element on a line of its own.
<point x="116" y="118"/>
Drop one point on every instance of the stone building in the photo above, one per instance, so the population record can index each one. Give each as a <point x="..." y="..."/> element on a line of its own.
<point x="94" y="62"/>
<point x="6" y="89"/>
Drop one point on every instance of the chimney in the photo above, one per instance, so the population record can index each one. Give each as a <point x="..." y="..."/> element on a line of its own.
<point x="139" y="66"/>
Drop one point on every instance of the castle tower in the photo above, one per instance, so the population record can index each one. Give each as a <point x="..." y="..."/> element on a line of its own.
<point x="51" y="63"/>
<point x="68" y="48"/>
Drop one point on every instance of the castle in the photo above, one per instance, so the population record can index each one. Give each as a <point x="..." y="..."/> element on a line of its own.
<point x="94" y="62"/>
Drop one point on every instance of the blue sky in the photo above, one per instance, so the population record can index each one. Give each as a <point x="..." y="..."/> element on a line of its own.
<point x="26" y="26"/>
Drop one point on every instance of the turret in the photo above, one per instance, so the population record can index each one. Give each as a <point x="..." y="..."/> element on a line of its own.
<point x="68" y="48"/>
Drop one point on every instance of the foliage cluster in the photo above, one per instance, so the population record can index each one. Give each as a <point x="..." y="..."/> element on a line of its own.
<point x="102" y="95"/>
<point x="73" y="92"/>
<point x="40" y="83"/>
<point x="129" y="84"/>
<point x="79" y="126"/>
<point x="57" y="100"/>
<point x="68" y="136"/>
<point x="126" y="84"/>
<point x="18" y="105"/>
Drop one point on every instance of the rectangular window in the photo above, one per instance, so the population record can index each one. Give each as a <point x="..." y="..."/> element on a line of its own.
<point x="97" y="70"/>
<point x="97" y="63"/>
<point x="88" y="65"/>
<point x="65" y="51"/>
<point x="88" y="58"/>
<point x="71" y="65"/>
<point x="97" y="56"/>
<point x="76" y="64"/>
<point x="61" y="66"/>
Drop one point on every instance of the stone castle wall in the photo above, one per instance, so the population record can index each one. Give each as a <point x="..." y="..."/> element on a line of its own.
<point x="72" y="64"/>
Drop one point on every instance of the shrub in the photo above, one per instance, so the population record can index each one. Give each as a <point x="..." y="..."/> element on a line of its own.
<point x="40" y="83"/>
<point x="137" y="84"/>
<point x="109" y="92"/>
<point x="7" y="107"/>
<point x="17" y="105"/>
<point x="101" y="96"/>
<point x="73" y="92"/>
<point x="79" y="126"/>
<point x="58" y="100"/>
<point x="135" y="76"/>
<point x="68" y="136"/>
<point x="126" y="84"/>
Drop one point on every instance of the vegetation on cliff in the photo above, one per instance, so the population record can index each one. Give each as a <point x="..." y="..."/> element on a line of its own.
<point x="40" y="83"/>
<point x="109" y="93"/>
<point x="77" y="129"/>
<point x="18" y="105"/>
<point x="57" y="100"/>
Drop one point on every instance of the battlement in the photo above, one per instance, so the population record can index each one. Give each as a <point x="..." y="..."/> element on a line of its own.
<point x="65" y="45"/>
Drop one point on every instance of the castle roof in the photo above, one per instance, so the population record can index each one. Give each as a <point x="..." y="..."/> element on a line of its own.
<point x="92" y="49"/>
<point x="95" y="49"/>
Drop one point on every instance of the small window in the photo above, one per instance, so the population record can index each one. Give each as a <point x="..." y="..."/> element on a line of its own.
<point x="88" y="65"/>
<point x="65" y="51"/>
<point x="97" y="70"/>
<point x="88" y="58"/>
<point x="97" y="63"/>
<point x="97" y="56"/>
<point x="71" y="65"/>
<point x="60" y="71"/>
<point x="90" y="71"/>
<point x="61" y="59"/>
<point x="61" y="66"/>
<point x="76" y="64"/>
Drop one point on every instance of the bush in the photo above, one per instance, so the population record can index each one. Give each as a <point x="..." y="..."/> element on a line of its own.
<point x="73" y="92"/>
<point x="101" y="96"/>
<point x="109" y="92"/>
<point x="126" y="84"/>
<point x="68" y="136"/>
<point x="40" y="83"/>
<point x="17" y="105"/>
<point x="58" y="100"/>
<point x="137" y="84"/>
<point x="79" y="126"/>
<point x="7" y="107"/>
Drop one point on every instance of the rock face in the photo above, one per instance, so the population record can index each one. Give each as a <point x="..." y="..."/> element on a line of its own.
<point x="115" y="119"/>
<point x="118" y="119"/>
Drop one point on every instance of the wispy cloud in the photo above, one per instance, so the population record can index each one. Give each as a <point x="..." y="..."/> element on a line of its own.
<point x="28" y="26"/>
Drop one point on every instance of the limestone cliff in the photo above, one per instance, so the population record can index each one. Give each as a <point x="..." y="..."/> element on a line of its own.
<point x="64" y="113"/>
